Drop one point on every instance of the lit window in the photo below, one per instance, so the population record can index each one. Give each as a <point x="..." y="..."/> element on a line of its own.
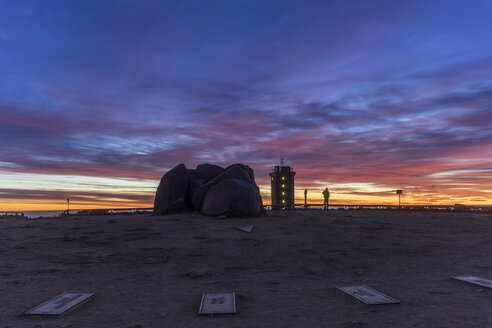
<point x="272" y="178"/>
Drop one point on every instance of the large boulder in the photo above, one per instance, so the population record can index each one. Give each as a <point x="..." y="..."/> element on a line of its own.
<point x="249" y="171"/>
<point x="208" y="171"/>
<point x="236" y="171"/>
<point x="193" y="186"/>
<point x="231" y="191"/>
<point x="170" y="196"/>
<point x="233" y="197"/>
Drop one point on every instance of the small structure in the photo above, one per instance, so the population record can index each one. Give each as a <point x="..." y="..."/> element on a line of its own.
<point x="399" y="192"/>
<point x="282" y="182"/>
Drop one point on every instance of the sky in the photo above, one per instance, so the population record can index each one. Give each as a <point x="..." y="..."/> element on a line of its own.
<point x="98" y="99"/>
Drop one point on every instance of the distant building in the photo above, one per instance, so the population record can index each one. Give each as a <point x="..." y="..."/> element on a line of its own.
<point x="282" y="180"/>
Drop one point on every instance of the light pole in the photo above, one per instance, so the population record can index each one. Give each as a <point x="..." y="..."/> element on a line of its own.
<point x="305" y="198"/>
<point x="399" y="192"/>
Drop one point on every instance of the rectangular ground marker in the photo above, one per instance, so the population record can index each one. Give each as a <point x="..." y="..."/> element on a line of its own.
<point x="368" y="295"/>
<point x="218" y="304"/>
<point x="60" y="304"/>
<point x="475" y="280"/>
<point x="245" y="228"/>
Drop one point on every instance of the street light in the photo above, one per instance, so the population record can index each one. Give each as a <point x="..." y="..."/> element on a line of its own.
<point x="399" y="192"/>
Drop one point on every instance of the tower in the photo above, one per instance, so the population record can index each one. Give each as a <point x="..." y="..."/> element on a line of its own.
<point x="282" y="182"/>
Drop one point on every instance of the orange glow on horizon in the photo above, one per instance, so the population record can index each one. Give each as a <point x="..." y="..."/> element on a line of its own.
<point x="62" y="206"/>
<point x="314" y="197"/>
<point x="443" y="191"/>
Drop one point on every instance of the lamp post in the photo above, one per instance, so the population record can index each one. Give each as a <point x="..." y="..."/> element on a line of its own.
<point x="399" y="192"/>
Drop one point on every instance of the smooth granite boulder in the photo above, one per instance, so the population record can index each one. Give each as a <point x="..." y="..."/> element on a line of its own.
<point x="193" y="186"/>
<point x="231" y="191"/>
<point x="236" y="171"/>
<point x="233" y="197"/>
<point x="208" y="171"/>
<point x="249" y="171"/>
<point x="171" y="192"/>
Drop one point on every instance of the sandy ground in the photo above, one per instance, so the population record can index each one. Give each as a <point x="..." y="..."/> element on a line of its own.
<point x="151" y="271"/>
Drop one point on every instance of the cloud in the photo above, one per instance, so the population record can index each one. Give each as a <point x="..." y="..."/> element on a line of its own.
<point x="347" y="93"/>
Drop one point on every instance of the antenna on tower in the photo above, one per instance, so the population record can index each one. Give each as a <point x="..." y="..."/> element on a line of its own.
<point x="282" y="161"/>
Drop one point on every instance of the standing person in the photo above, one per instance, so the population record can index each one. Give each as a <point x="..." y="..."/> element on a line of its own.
<point x="326" y="196"/>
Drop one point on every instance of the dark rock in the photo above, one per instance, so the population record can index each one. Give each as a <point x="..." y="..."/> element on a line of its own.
<point x="196" y="274"/>
<point x="171" y="193"/>
<point x="236" y="171"/>
<point x="249" y="171"/>
<point x="231" y="191"/>
<point x="208" y="171"/>
<point x="192" y="174"/>
<point x="193" y="186"/>
<point x="233" y="197"/>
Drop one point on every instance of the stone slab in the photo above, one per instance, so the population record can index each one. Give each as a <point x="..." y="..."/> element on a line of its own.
<point x="475" y="280"/>
<point x="218" y="304"/>
<point x="60" y="304"/>
<point x="245" y="228"/>
<point x="368" y="295"/>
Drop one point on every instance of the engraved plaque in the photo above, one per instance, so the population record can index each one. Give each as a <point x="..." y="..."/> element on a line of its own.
<point x="475" y="280"/>
<point x="60" y="304"/>
<point x="368" y="295"/>
<point x="218" y="304"/>
<point x="245" y="228"/>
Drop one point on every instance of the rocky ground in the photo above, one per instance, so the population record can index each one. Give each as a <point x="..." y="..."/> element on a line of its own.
<point x="151" y="271"/>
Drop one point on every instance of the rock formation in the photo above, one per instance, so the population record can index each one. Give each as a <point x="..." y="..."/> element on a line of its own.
<point x="209" y="189"/>
<point x="170" y="196"/>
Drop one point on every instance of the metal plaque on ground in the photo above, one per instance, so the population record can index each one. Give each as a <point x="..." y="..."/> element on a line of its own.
<point x="245" y="228"/>
<point x="218" y="304"/>
<point x="368" y="295"/>
<point x="475" y="280"/>
<point x="60" y="304"/>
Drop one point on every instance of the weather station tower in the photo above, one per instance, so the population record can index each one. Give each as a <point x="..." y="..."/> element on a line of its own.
<point x="282" y="179"/>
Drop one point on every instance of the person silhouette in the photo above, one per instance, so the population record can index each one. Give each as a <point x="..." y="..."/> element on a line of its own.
<point x="326" y="196"/>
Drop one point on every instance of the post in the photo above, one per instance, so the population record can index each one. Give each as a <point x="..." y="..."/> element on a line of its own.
<point x="399" y="192"/>
<point x="68" y="206"/>
<point x="305" y="198"/>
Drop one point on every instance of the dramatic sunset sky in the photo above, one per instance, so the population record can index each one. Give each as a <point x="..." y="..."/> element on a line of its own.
<point x="99" y="98"/>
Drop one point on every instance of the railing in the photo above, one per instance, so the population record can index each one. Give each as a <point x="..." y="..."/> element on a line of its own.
<point x="451" y="208"/>
<point x="14" y="214"/>
<point x="136" y="210"/>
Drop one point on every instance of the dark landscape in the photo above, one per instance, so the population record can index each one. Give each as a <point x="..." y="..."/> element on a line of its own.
<point x="150" y="271"/>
